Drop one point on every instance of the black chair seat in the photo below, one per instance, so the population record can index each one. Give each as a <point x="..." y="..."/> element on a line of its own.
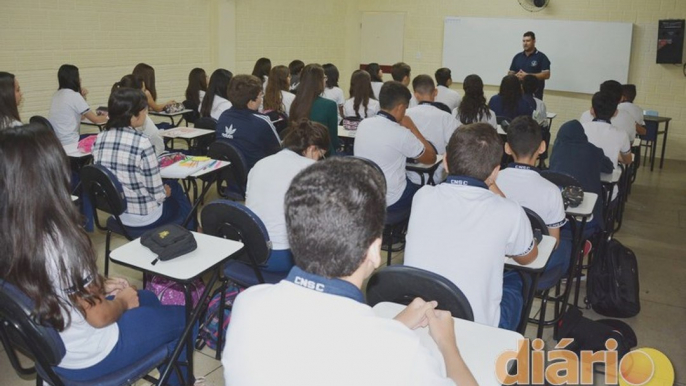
<point x="135" y="233"/>
<point x="244" y="275"/>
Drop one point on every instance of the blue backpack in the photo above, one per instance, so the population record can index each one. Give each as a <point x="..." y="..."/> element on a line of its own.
<point x="208" y="332"/>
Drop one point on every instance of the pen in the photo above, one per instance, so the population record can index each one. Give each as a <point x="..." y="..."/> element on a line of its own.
<point x="154" y="261"/>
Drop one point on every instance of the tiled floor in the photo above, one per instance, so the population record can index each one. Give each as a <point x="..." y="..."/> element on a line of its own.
<point x="654" y="227"/>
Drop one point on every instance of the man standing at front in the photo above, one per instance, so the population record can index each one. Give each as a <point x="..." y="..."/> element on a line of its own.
<point x="531" y="62"/>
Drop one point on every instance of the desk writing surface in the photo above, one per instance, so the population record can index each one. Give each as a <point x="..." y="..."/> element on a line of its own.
<point x="551" y="115"/>
<point x="163" y="114"/>
<point x="211" y="250"/>
<point x="654" y="118"/>
<point x="500" y="130"/>
<point x="73" y="150"/>
<point x="342" y="132"/>
<point x="586" y="207"/>
<point x="545" y="248"/>
<point x="611" y="177"/>
<point x="479" y="345"/>
<point x="185" y="132"/>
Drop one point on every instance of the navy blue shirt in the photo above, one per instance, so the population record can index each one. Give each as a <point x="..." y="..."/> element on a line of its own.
<point x="523" y="108"/>
<point x="535" y="63"/>
<point x="251" y="132"/>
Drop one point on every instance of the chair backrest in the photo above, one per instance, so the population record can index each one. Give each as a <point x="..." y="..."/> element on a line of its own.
<point x="236" y="175"/>
<point x="536" y="221"/>
<point x="504" y="122"/>
<point x="104" y="189"/>
<point x="374" y="165"/>
<point x="193" y="115"/>
<point x="231" y="220"/>
<point x="278" y="119"/>
<point x="19" y="329"/>
<point x="401" y="284"/>
<point x="42" y="121"/>
<point x="205" y="123"/>
<point x="562" y="180"/>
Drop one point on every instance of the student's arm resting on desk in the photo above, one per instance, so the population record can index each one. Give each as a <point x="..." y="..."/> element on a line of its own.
<point x="555" y="232"/>
<point x="152" y="105"/>
<point x="429" y="155"/>
<point x="93" y="117"/>
<point x="521" y="245"/>
<point x="105" y="312"/>
<point x="640" y="129"/>
<point x="625" y="158"/>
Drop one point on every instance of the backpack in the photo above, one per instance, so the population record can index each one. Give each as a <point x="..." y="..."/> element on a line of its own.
<point x="171" y="293"/>
<point x="612" y="285"/>
<point x="591" y="335"/>
<point x="208" y="333"/>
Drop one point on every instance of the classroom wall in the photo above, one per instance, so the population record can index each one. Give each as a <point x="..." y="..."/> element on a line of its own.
<point x="660" y="87"/>
<point x="105" y="39"/>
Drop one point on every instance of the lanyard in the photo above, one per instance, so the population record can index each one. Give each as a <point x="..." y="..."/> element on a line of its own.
<point x="321" y="284"/>
<point x="387" y="116"/>
<point x="465" y="181"/>
<point x="516" y="165"/>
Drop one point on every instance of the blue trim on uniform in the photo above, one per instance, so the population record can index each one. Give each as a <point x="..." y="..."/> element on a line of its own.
<point x="318" y="283"/>
<point x="517" y="165"/>
<point x="465" y="181"/>
<point x="387" y="116"/>
<point x="602" y="120"/>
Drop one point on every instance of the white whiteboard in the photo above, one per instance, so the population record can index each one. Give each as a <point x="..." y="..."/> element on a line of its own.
<point x="382" y="37"/>
<point x="583" y="54"/>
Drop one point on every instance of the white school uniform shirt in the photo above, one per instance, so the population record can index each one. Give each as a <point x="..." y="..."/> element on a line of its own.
<point x="493" y="121"/>
<point x="65" y="114"/>
<point x="448" y="97"/>
<point x="268" y="182"/>
<point x="530" y="190"/>
<point x="335" y="94"/>
<point x="376" y="88"/>
<point x="540" y="115"/>
<point x="622" y="121"/>
<point x="373" y="108"/>
<point x="413" y="102"/>
<point x="464" y="233"/>
<point x="634" y="111"/>
<point x="310" y="338"/>
<point x="389" y="145"/>
<point x="612" y="140"/>
<point x="201" y="95"/>
<point x="219" y="105"/>
<point x="151" y="131"/>
<point x="287" y="99"/>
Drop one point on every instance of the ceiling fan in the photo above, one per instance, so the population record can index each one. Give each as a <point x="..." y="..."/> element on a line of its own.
<point x="534" y="5"/>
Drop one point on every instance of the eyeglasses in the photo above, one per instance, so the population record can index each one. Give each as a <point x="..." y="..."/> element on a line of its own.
<point x="322" y="153"/>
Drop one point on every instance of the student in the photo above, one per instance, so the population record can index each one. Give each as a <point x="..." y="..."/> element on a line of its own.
<point x="125" y="151"/>
<point x="295" y="68"/>
<point x="602" y="133"/>
<point x="573" y="154"/>
<point x="508" y="103"/>
<point x="330" y="336"/>
<point x="105" y="324"/>
<point x="68" y="106"/>
<point x="448" y="97"/>
<point x="309" y="103"/>
<point x="305" y="143"/>
<point x="361" y="103"/>
<point x="400" y="72"/>
<point x="473" y="107"/>
<point x="216" y="101"/>
<point x="277" y="97"/>
<point x="521" y="181"/>
<point x="261" y="70"/>
<point x="376" y="75"/>
<point x="627" y="105"/>
<point x="242" y="126"/>
<point x="529" y="87"/>
<point x="147" y="73"/>
<point x="388" y="139"/>
<point x="435" y="124"/>
<point x="150" y="131"/>
<point x="622" y="119"/>
<point x="10" y="99"/>
<point x="463" y="229"/>
<point x="195" y="91"/>
<point x="332" y="91"/>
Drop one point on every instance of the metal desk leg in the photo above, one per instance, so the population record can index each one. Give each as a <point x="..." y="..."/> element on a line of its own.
<point x="664" y="144"/>
<point x="524" y="319"/>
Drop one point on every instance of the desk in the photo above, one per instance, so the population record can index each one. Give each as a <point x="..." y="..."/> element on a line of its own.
<point x="550" y="117"/>
<point x="658" y="120"/>
<point x="479" y="345"/>
<point x="534" y="270"/>
<point x="171" y="116"/>
<point x="582" y="213"/>
<point x="185" y="133"/>
<point x="422" y="169"/>
<point x="343" y="133"/>
<point x="73" y="151"/>
<point x="87" y="122"/>
<point x="209" y="256"/>
<point x="613" y="177"/>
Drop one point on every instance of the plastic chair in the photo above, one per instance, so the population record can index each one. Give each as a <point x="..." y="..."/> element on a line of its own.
<point x="232" y="181"/>
<point x="42" y="121"/>
<point x="203" y="143"/>
<point x="402" y="284"/>
<point x="20" y="331"/>
<point x="193" y="115"/>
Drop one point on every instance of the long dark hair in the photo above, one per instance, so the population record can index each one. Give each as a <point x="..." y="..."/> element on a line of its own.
<point x="124" y="104"/>
<point x="473" y="105"/>
<point x="373" y="70"/>
<point x="52" y="221"/>
<point x="332" y="75"/>
<point x="197" y="81"/>
<point x="9" y="111"/>
<point x="262" y="68"/>
<point x="278" y="81"/>
<point x="219" y="85"/>
<point x="128" y="81"/>
<point x="310" y="88"/>
<point x="511" y="92"/>
<point x="361" y="91"/>
<point x="147" y="73"/>
<point x="68" y="77"/>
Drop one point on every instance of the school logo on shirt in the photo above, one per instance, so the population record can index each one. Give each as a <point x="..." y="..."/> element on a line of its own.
<point x="309" y="284"/>
<point x="534" y="63"/>
<point x="228" y="132"/>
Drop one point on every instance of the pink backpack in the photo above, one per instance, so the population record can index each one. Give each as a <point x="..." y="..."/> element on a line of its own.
<point x="171" y="293"/>
<point x="86" y="144"/>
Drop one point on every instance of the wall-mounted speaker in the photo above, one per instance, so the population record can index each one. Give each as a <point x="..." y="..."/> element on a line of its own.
<point x="670" y="41"/>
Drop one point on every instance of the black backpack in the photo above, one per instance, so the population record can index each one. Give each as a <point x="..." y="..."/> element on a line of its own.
<point x="612" y="284"/>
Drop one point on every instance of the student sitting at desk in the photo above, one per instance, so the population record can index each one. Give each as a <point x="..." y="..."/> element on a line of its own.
<point x="473" y="107"/>
<point x="305" y="143"/>
<point x="10" y="99"/>
<point x="401" y="72"/>
<point x="389" y="139"/>
<point x="105" y="324"/>
<point x="242" y="126"/>
<point x="150" y="130"/>
<point x="621" y="119"/>
<point x="216" y="100"/>
<point x="332" y="91"/>
<point x="147" y="73"/>
<point x="509" y="103"/>
<point x="313" y="328"/>
<point x="261" y="70"/>
<point x="376" y="74"/>
<point x="195" y="92"/>
<point x="69" y="106"/>
<point x="295" y="68"/>
<point x="627" y="105"/>
<point x="521" y="182"/>
<point x="602" y="133"/>
<point x="362" y="103"/>
<point x="445" y="95"/>
<point x="463" y="229"/>
<point x="277" y="97"/>
<point x="125" y="151"/>
<point x="530" y="85"/>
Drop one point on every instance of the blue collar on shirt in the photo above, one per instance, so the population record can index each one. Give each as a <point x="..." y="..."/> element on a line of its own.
<point x="387" y="116"/>
<point x="465" y="181"/>
<point x="516" y="165"/>
<point x="602" y="120"/>
<point x="318" y="283"/>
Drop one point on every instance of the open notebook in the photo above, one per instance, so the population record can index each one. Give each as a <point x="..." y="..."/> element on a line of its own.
<point x="183" y="169"/>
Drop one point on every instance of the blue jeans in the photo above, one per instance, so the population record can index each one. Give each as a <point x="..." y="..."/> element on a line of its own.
<point x="512" y="303"/>
<point x="280" y="260"/>
<point x="175" y="209"/>
<point x="558" y="264"/>
<point x="141" y="331"/>
<point x="404" y="203"/>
